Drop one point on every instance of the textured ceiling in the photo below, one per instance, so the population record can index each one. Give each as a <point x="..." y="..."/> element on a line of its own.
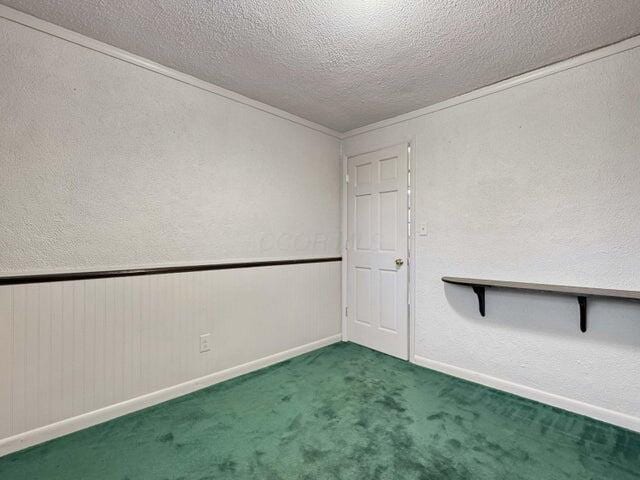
<point x="348" y="63"/>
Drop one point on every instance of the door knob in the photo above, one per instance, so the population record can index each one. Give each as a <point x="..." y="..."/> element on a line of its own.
<point x="399" y="262"/>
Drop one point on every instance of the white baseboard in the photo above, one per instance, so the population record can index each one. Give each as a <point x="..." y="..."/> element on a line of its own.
<point x="610" y="416"/>
<point x="69" y="425"/>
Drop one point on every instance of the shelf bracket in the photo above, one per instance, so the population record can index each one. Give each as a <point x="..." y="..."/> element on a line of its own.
<point x="479" y="291"/>
<point x="579" y="293"/>
<point x="582" y="301"/>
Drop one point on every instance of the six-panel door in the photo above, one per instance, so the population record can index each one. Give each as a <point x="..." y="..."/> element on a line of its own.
<point x="377" y="250"/>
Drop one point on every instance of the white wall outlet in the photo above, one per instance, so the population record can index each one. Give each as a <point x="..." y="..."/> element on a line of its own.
<point x="422" y="229"/>
<point x="204" y="342"/>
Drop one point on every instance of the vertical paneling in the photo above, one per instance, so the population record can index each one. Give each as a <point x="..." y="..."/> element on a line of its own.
<point x="56" y="395"/>
<point x="18" y="373"/>
<point x="78" y="348"/>
<point x="89" y="313"/>
<point x="72" y="347"/>
<point x="44" y="337"/>
<point x="6" y="360"/>
<point x="108" y="339"/>
<point x="128" y="326"/>
<point x="31" y="354"/>
<point x="68" y="354"/>
<point x="328" y="287"/>
<point x="99" y="352"/>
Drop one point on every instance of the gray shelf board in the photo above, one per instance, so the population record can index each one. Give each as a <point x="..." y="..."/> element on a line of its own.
<point x="547" y="288"/>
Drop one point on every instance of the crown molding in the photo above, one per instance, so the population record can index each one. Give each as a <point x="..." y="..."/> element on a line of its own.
<point x="30" y="21"/>
<point x="573" y="62"/>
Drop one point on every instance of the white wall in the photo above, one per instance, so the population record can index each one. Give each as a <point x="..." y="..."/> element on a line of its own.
<point x="106" y="164"/>
<point x="107" y="161"/>
<point x="538" y="182"/>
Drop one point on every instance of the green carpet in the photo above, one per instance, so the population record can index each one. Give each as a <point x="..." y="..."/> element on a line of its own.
<point x="342" y="412"/>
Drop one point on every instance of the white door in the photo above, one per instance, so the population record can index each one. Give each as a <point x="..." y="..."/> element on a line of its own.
<point x="377" y="250"/>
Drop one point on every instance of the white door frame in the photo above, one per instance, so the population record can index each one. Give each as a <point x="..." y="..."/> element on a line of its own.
<point x="412" y="154"/>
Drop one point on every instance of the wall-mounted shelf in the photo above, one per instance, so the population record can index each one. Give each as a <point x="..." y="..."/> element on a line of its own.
<point x="581" y="293"/>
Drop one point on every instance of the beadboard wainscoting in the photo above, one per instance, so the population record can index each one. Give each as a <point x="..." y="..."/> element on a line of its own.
<point x="74" y="347"/>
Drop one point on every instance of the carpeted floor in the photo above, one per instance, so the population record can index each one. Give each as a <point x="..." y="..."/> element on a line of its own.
<point x="343" y="412"/>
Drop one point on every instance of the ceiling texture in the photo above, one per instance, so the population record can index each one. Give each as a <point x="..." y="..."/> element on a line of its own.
<point x="348" y="63"/>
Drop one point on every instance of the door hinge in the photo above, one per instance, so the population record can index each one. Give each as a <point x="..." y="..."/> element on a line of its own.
<point x="346" y="178"/>
<point x="346" y="311"/>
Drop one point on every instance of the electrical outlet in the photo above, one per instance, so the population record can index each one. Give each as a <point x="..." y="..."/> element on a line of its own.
<point x="204" y="342"/>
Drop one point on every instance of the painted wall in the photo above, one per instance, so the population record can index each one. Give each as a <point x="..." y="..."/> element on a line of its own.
<point x="535" y="183"/>
<point x="104" y="164"/>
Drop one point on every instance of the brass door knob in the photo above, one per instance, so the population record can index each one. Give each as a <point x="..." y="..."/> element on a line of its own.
<point x="399" y="262"/>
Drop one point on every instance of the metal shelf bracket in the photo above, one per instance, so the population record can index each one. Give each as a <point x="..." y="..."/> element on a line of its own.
<point x="479" y="290"/>
<point x="582" y="301"/>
